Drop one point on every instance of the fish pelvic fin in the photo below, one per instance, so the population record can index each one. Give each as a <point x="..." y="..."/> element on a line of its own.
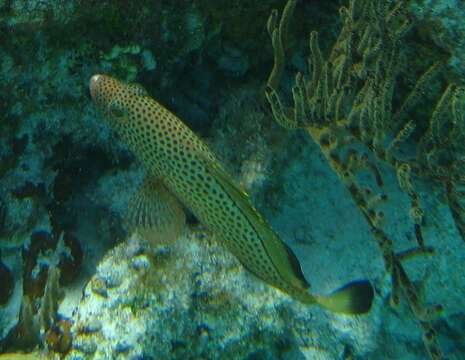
<point x="353" y="298"/>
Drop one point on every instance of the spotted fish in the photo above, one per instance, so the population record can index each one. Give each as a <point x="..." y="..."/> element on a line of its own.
<point x="178" y="160"/>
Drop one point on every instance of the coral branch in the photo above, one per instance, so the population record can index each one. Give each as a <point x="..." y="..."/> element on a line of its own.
<point x="348" y="101"/>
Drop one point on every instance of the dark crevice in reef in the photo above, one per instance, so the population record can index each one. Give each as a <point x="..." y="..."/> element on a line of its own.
<point x="7" y="281"/>
<point x="10" y="160"/>
<point x="76" y="169"/>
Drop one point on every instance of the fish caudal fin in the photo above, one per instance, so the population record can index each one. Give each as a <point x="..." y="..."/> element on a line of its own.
<point x="155" y="214"/>
<point x="353" y="298"/>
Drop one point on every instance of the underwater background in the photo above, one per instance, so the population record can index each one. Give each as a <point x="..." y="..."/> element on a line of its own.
<point x="343" y="120"/>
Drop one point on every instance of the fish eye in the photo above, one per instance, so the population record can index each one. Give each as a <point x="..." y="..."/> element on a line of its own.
<point x="116" y="109"/>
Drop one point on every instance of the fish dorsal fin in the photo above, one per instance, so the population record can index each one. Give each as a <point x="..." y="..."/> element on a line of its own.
<point x="295" y="264"/>
<point x="155" y="213"/>
<point x="284" y="260"/>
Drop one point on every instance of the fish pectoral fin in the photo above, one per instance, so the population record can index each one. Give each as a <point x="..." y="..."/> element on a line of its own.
<point x="353" y="298"/>
<point x="155" y="213"/>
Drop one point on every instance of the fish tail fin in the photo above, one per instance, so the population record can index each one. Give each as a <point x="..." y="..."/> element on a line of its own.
<point x="353" y="298"/>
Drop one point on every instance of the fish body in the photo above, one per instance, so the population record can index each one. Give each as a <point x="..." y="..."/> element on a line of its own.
<point x="172" y="153"/>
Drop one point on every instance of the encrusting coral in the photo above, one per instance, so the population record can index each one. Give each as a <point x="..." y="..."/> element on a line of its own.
<point x="348" y="106"/>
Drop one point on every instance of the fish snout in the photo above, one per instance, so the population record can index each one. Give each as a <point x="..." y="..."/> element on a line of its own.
<point x="93" y="85"/>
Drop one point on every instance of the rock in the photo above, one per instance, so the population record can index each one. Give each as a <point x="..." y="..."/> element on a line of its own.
<point x="196" y="301"/>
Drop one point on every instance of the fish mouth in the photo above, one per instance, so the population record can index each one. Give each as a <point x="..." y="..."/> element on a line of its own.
<point x="93" y="85"/>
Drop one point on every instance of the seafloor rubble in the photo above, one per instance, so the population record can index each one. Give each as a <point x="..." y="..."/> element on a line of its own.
<point x="65" y="183"/>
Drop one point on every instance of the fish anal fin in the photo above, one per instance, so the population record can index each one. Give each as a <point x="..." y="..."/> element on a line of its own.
<point x="155" y="213"/>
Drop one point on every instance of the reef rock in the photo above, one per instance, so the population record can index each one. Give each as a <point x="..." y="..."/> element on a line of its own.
<point x="194" y="300"/>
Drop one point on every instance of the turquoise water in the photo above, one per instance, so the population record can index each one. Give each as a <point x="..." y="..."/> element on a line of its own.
<point x="349" y="144"/>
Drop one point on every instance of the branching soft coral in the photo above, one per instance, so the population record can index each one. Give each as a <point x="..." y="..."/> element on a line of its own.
<point x="348" y="107"/>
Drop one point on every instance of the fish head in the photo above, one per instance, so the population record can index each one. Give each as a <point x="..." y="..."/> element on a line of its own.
<point x="116" y="100"/>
